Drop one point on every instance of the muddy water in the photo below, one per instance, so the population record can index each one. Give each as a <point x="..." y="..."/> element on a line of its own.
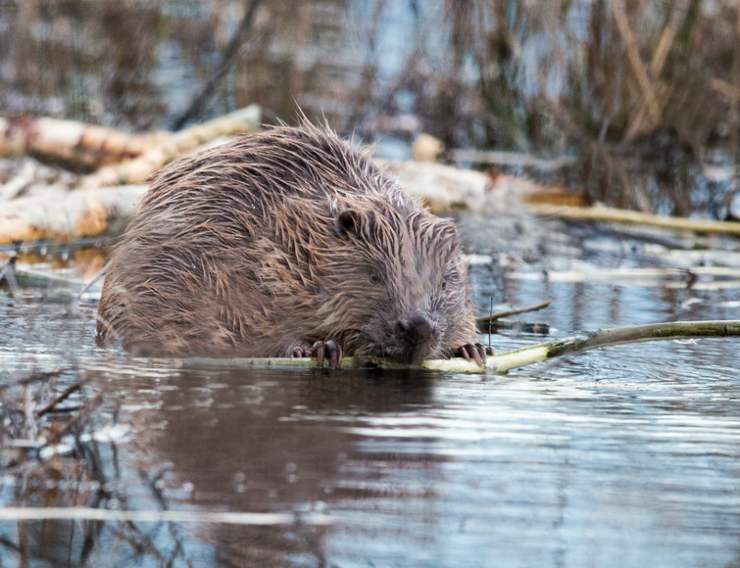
<point x="628" y="456"/>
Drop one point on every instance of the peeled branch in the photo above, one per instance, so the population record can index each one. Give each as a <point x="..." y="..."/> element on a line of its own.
<point x="517" y="358"/>
<point x="610" y="214"/>
<point x="139" y="169"/>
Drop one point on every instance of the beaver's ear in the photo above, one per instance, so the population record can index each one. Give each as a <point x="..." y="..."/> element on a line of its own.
<point x="347" y="221"/>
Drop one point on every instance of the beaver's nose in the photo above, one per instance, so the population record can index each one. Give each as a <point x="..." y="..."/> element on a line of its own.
<point x="416" y="329"/>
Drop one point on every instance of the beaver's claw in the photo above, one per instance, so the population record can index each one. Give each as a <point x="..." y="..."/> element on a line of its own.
<point x="329" y="351"/>
<point x="474" y="352"/>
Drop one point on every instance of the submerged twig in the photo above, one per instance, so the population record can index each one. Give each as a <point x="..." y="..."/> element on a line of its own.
<point x="60" y="398"/>
<point x="517" y="358"/>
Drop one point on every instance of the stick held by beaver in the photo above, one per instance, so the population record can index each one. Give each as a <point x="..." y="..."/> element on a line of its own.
<point x="287" y="243"/>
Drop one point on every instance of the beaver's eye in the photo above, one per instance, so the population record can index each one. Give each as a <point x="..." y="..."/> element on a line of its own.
<point x="375" y="277"/>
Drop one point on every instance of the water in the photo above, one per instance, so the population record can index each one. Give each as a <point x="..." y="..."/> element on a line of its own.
<point x="627" y="456"/>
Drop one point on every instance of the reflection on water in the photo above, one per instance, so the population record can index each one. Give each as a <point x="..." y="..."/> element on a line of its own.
<point x="625" y="457"/>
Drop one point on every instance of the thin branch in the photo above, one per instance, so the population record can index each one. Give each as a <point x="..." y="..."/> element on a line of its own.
<point x="513" y="359"/>
<point x="483" y="322"/>
<point x="612" y="336"/>
<point x="613" y="215"/>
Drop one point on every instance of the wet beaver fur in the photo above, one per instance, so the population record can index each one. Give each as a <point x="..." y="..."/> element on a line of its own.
<point x="286" y="243"/>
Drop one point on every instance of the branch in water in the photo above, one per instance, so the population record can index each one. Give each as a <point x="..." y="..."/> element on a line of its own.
<point x="612" y="215"/>
<point x="483" y="321"/>
<point x="520" y="357"/>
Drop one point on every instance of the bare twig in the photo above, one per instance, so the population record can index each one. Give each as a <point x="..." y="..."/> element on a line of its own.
<point x="78" y="418"/>
<point x="610" y="214"/>
<point x="613" y="336"/>
<point x="485" y="320"/>
<point x="660" y="55"/>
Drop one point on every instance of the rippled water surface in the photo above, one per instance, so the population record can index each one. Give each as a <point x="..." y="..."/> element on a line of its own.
<point x="627" y="456"/>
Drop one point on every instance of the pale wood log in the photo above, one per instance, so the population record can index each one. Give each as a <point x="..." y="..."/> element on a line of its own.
<point x="71" y="141"/>
<point x="66" y="216"/>
<point x="440" y="188"/>
<point x="139" y="169"/>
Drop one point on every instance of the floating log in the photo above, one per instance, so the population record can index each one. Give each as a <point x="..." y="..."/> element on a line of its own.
<point x="613" y="215"/>
<point x="139" y="169"/>
<point x="66" y="216"/>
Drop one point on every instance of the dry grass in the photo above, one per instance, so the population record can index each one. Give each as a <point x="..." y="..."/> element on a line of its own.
<point x="607" y="81"/>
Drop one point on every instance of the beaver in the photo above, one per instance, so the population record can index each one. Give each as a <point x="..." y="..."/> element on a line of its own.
<point x="287" y="242"/>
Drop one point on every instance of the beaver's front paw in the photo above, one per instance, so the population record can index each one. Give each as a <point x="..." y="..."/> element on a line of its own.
<point x="330" y="351"/>
<point x="474" y="352"/>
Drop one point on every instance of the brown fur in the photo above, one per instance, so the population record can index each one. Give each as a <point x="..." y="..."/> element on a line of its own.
<point x="281" y="239"/>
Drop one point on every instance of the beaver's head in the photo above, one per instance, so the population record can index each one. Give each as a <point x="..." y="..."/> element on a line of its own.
<point x="396" y="284"/>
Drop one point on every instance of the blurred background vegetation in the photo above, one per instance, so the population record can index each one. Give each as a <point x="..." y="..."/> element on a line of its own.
<point x="644" y="94"/>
